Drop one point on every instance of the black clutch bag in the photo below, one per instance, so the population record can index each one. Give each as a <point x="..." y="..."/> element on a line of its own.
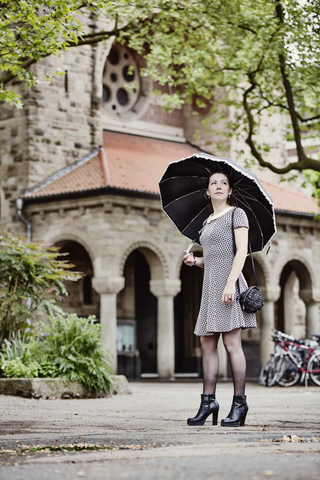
<point x="251" y="300"/>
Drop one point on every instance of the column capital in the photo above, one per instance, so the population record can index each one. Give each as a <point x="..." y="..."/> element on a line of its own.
<point x="310" y="296"/>
<point x="168" y="287"/>
<point x="270" y="293"/>
<point x="108" y="284"/>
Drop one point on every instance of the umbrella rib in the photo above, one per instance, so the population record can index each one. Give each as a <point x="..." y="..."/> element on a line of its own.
<point x="242" y="191"/>
<point x="257" y="221"/>
<point x="189" y="160"/>
<point x="256" y="200"/>
<point x="253" y="187"/>
<point x="182" y="176"/>
<point x="183" y="196"/>
<point x="194" y="219"/>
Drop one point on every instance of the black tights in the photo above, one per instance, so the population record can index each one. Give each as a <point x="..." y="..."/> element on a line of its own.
<point x="210" y="361"/>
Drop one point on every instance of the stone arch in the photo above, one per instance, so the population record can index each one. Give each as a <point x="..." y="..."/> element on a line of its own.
<point x="158" y="264"/>
<point x="262" y="267"/>
<point x="103" y="50"/>
<point x="300" y="263"/>
<point x="82" y="298"/>
<point x="72" y="234"/>
<point x="297" y="281"/>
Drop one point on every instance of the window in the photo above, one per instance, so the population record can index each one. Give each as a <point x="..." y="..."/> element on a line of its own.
<point x="126" y="333"/>
<point x="124" y="91"/>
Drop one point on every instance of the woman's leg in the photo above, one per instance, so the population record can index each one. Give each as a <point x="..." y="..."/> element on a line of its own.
<point x="210" y="362"/>
<point x="232" y="343"/>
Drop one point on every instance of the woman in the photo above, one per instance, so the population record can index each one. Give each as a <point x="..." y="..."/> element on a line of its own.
<point x="220" y="311"/>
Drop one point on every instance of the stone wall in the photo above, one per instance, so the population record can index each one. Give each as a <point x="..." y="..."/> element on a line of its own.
<point x="60" y="120"/>
<point x="64" y="119"/>
<point x="112" y="226"/>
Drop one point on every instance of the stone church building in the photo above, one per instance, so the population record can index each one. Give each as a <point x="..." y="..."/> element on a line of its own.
<point x="85" y="156"/>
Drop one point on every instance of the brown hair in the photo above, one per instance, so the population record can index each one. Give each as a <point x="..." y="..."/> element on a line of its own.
<point x="231" y="200"/>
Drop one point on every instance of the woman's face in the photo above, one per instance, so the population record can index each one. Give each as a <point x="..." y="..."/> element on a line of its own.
<point x="219" y="187"/>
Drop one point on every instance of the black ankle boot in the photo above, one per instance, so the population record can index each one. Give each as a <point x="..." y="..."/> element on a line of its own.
<point x="238" y="412"/>
<point x="208" y="405"/>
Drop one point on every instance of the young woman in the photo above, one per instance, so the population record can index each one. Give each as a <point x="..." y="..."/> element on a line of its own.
<point x="220" y="311"/>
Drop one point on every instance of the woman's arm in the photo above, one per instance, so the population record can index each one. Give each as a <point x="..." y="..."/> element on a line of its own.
<point x="190" y="260"/>
<point x="241" y="239"/>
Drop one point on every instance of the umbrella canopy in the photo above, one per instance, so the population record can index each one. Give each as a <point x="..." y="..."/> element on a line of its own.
<point x="183" y="196"/>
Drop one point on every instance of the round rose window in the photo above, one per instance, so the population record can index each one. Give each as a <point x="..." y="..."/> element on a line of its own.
<point x="123" y="88"/>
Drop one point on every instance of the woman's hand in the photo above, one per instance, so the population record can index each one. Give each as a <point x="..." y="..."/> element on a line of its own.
<point x="228" y="294"/>
<point x="188" y="259"/>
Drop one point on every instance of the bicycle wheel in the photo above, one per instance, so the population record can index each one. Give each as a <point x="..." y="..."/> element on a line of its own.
<point x="274" y="370"/>
<point x="268" y="372"/>
<point x="289" y="373"/>
<point x="262" y="379"/>
<point x="314" y="367"/>
<point x="263" y="376"/>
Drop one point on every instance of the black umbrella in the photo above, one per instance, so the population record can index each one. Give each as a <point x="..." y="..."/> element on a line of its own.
<point x="183" y="186"/>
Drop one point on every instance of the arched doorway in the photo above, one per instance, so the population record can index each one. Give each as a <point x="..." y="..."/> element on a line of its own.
<point x="291" y="309"/>
<point x="186" y="308"/>
<point x="82" y="299"/>
<point x="137" y="313"/>
<point x="251" y="338"/>
<point x="187" y="303"/>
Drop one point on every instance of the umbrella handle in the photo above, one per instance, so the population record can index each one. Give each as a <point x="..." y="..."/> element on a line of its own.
<point x="189" y="247"/>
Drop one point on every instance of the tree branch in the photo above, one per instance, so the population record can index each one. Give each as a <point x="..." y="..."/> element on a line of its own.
<point x="289" y="95"/>
<point x="302" y="164"/>
<point x="243" y="27"/>
<point x="89" y="39"/>
<point x="306" y="120"/>
<point x="6" y="77"/>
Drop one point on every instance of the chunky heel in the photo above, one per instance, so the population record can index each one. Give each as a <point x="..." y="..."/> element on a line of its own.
<point x="215" y="417"/>
<point x="243" y="420"/>
<point x="238" y="412"/>
<point x="208" y="406"/>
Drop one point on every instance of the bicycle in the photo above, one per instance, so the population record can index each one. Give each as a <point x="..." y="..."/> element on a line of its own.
<point x="292" y="361"/>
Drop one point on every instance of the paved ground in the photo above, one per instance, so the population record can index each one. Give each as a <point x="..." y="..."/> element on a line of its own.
<point x="145" y="436"/>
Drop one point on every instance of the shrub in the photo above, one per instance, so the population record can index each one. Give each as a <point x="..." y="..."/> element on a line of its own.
<point x="31" y="280"/>
<point x="16" y="368"/>
<point x="18" y="357"/>
<point x="74" y="345"/>
<point x="71" y="349"/>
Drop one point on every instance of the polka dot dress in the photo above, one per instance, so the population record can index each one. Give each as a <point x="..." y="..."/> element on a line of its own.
<point x="216" y="240"/>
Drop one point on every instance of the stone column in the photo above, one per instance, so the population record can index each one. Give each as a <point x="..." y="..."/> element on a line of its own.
<point x="312" y="318"/>
<point x="165" y="291"/>
<point x="267" y="324"/>
<point x="270" y="296"/>
<point x="289" y="305"/>
<point x="108" y="288"/>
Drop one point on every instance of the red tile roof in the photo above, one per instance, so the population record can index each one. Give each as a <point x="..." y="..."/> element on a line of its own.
<point x="291" y="201"/>
<point x="126" y="161"/>
<point x="137" y="163"/>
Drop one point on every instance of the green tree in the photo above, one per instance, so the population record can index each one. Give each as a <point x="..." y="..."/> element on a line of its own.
<point x="266" y="54"/>
<point x="30" y="30"/>
<point x="31" y="281"/>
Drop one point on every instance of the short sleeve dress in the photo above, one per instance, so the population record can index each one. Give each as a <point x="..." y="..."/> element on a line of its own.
<point x="216" y="240"/>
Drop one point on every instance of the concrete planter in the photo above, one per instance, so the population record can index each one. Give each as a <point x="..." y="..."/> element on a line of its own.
<point x="52" y="388"/>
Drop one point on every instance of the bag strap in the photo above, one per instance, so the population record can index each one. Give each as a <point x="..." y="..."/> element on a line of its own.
<point x="235" y="251"/>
